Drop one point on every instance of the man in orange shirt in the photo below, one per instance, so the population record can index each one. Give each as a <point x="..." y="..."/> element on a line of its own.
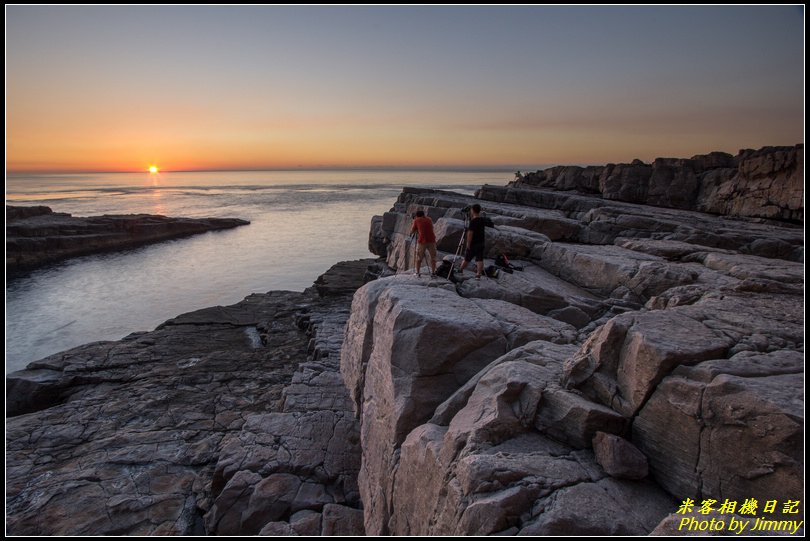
<point x="426" y="241"/>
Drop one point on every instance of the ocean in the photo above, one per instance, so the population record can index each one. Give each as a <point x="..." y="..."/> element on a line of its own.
<point x="302" y="222"/>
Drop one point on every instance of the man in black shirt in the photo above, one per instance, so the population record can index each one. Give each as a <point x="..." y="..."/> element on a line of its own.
<point x="475" y="242"/>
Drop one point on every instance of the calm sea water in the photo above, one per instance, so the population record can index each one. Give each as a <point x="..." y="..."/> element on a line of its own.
<point x="302" y="222"/>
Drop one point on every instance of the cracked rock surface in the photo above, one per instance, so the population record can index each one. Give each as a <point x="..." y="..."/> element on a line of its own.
<point x="679" y="362"/>
<point x="643" y="355"/>
<point x="224" y="420"/>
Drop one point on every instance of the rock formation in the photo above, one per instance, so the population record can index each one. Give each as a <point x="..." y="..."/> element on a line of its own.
<point x="620" y="372"/>
<point x="224" y="420"/>
<point x="764" y="183"/>
<point x="36" y="236"/>
<point x="641" y="356"/>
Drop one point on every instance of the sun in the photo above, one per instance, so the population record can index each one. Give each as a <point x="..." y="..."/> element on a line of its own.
<point x="153" y="169"/>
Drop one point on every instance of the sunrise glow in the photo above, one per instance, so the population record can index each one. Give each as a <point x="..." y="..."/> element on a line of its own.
<point x="426" y="87"/>
<point x="153" y="169"/>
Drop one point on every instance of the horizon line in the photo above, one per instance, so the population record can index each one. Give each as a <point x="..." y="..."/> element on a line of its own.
<point x="426" y="168"/>
<point x="450" y="169"/>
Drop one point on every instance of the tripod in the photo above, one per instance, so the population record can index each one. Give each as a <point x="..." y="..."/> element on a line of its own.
<point x="416" y="254"/>
<point x="460" y="242"/>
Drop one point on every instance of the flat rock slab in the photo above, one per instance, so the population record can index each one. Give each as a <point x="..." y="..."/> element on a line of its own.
<point x="295" y="471"/>
<point x="36" y="236"/>
<point x="133" y="437"/>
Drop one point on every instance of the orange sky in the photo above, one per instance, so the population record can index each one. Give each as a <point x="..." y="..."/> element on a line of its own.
<point x="120" y="88"/>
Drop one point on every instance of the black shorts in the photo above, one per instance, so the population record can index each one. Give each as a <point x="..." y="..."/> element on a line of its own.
<point x="475" y="251"/>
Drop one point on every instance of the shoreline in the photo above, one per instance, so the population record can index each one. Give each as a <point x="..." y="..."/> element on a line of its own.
<point x="531" y="402"/>
<point x="37" y="236"/>
<point x="166" y="407"/>
<point x="33" y="388"/>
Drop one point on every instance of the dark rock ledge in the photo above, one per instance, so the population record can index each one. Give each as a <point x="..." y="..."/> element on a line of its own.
<point x="221" y="421"/>
<point x="36" y="236"/>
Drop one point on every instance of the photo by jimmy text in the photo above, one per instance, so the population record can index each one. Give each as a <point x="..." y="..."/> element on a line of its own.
<point x="781" y="517"/>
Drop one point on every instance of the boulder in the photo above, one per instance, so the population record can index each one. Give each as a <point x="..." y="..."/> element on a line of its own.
<point x="503" y="403"/>
<point x="359" y="340"/>
<point x="226" y="514"/>
<point x="35" y="389"/>
<point x="306" y="522"/>
<point x="573" y="419"/>
<point x="341" y="520"/>
<point x="571" y="315"/>
<point x="572" y="204"/>
<point x="407" y="366"/>
<point x="618" y="457"/>
<point x="482" y="492"/>
<point x="449" y="232"/>
<point x="603" y="225"/>
<point x="18" y="213"/>
<point x="277" y="529"/>
<point x="491" y="471"/>
<point x="752" y="401"/>
<point x="765" y="417"/>
<point x="620" y="365"/>
<point x="544" y="354"/>
<point x="568" y="177"/>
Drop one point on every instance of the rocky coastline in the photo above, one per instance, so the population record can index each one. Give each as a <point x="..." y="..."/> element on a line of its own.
<point x="153" y="434"/>
<point x="37" y="236"/>
<point x="644" y="355"/>
<point x="764" y="183"/>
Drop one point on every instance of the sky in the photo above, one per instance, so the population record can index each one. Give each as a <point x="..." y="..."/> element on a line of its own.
<point x="115" y="88"/>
